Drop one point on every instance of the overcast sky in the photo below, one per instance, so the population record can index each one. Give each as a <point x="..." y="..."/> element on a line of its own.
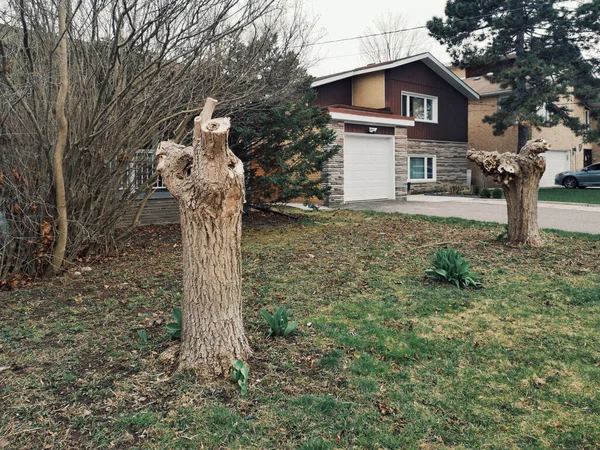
<point x="339" y="19"/>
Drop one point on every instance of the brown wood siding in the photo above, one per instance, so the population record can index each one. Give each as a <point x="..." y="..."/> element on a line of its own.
<point x="359" y="128"/>
<point x="452" y="105"/>
<point x="336" y="93"/>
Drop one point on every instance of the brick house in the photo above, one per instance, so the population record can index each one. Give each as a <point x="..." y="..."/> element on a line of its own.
<point x="568" y="151"/>
<point x="399" y="122"/>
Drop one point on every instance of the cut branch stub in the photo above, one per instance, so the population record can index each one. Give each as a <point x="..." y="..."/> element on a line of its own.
<point x="206" y="114"/>
<point x="173" y="163"/>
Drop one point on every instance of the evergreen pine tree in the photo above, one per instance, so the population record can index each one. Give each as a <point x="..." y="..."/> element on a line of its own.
<point x="540" y="50"/>
<point x="284" y="148"/>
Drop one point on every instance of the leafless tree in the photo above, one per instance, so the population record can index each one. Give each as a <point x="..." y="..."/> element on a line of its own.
<point x="135" y="71"/>
<point x="385" y="40"/>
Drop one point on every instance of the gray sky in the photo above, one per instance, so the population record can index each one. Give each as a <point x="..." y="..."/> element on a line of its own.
<point x="339" y="19"/>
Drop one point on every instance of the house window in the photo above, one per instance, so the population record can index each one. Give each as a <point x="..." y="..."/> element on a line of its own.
<point x="502" y="100"/>
<point x="422" y="108"/>
<point x="543" y="113"/>
<point x="586" y="118"/>
<point x="421" y="168"/>
<point x="142" y="168"/>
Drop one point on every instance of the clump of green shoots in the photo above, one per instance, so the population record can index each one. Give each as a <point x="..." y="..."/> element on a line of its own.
<point x="450" y="266"/>
<point x="279" y="322"/>
<point x="239" y="375"/>
<point x="174" y="328"/>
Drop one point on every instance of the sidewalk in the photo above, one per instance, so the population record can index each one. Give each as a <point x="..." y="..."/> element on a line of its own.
<point x="496" y="201"/>
<point x="577" y="217"/>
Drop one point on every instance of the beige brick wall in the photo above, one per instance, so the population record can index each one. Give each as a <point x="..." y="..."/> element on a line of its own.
<point x="561" y="137"/>
<point x="595" y="146"/>
<point x="481" y="135"/>
<point x="369" y="90"/>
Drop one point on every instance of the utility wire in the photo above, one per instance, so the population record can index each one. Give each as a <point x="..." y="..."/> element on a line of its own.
<point x="402" y="30"/>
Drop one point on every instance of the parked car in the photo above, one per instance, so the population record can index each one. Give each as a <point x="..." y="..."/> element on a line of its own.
<point x="588" y="176"/>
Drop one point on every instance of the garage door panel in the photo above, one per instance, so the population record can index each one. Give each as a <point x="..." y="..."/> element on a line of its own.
<point x="556" y="161"/>
<point x="368" y="168"/>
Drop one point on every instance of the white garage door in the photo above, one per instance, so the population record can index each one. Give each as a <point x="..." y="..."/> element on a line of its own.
<point x="368" y="167"/>
<point x="556" y="161"/>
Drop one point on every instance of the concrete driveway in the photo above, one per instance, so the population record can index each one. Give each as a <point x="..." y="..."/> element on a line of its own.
<point x="561" y="216"/>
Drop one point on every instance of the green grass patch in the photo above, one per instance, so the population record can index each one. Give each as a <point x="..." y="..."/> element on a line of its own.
<point x="383" y="358"/>
<point x="589" y="196"/>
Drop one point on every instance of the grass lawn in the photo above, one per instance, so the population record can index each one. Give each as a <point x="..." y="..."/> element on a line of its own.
<point x="591" y="196"/>
<point x="383" y="358"/>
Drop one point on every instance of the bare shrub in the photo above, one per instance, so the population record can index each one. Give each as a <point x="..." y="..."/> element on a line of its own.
<point x="136" y="70"/>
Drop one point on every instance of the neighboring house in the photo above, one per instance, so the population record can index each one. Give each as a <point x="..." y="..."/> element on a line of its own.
<point x="161" y="207"/>
<point x="398" y="122"/>
<point x="568" y="151"/>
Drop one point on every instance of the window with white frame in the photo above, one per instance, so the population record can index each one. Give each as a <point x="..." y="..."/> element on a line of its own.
<point x="422" y="108"/>
<point x="143" y="167"/>
<point x="421" y="168"/>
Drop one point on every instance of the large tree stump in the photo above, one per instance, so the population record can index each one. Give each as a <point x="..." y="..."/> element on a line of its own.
<point x="519" y="175"/>
<point x="207" y="180"/>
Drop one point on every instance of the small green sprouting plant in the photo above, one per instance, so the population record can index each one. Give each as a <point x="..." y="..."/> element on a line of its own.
<point x="497" y="193"/>
<point x="279" y="322"/>
<point x="476" y="190"/>
<point x="239" y="375"/>
<point x="174" y="328"/>
<point x="449" y="265"/>
<point x="504" y="235"/>
<point x="485" y="193"/>
<point x="142" y="337"/>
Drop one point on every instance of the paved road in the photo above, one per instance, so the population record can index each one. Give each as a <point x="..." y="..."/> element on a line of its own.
<point x="561" y="216"/>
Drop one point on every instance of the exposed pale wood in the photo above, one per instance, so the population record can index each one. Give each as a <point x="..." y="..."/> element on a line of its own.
<point x="519" y="175"/>
<point x="211" y="198"/>
<point x="205" y="116"/>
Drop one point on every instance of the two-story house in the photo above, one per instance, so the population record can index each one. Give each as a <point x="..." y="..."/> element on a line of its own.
<point x="568" y="151"/>
<point x="398" y="123"/>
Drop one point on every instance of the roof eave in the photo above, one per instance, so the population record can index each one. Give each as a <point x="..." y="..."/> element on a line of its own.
<point x="426" y="58"/>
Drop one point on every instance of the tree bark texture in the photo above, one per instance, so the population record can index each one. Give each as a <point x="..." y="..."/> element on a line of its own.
<point x="61" y="143"/>
<point x="523" y="136"/>
<point x="207" y="180"/>
<point x="519" y="176"/>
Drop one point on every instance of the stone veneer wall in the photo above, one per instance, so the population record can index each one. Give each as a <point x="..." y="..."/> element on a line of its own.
<point x="401" y="159"/>
<point x="451" y="161"/>
<point x="333" y="170"/>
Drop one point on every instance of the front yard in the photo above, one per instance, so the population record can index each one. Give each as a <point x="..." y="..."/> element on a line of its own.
<point x="589" y="195"/>
<point x="383" y="358"/>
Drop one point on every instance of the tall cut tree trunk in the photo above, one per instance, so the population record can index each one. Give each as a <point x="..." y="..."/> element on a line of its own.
<point x="523" y="135"/>
<point x="208" y="182"/>
<point x="523" y="131"/>
<point x="62" y="223"/>
<point x="520" y="177"/>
